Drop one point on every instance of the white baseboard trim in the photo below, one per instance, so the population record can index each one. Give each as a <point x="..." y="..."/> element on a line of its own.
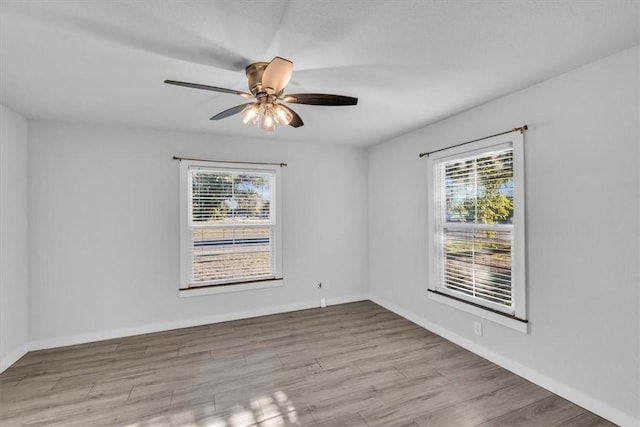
<point x="346" y="299"/>
<point x="13" y="357"/>
<point x="186" y="323"/>
<point x="576" y="396"/>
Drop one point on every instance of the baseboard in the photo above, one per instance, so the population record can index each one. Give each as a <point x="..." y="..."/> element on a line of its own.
<point x="13" y="357"/>
<point x="186" y="323"/>
<point x="346" y="299"/>
<point x="579" y="398"/>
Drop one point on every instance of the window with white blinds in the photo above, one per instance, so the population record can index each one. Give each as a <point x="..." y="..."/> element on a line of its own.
<point x="477" y="220"/>
<point x="230" y="232"/>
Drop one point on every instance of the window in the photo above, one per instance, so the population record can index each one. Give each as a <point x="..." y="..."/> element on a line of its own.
<point x="230" y="227"/>
<point x="476" y="237"/>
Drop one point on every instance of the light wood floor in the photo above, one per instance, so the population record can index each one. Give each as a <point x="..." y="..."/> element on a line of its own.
<point x="353" y="364"/>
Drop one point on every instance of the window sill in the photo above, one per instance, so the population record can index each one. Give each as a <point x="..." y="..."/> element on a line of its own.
<point x="509" y="322"/>
<point x="223" y="289"/>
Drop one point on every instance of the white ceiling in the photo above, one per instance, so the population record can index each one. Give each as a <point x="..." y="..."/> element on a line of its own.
<point x="410" y="63"/>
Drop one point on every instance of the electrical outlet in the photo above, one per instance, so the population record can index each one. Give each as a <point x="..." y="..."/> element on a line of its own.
<point x="477" y="328"/>
<point x="326" y="284"/>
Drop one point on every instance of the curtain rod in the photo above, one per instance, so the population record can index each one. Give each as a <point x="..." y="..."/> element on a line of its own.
<point x="521" y="129"/>
<point x="229" y="161"/>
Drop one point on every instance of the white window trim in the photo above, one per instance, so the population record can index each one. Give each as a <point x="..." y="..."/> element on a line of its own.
<point x="519" y="319"/>
<point x="483" y="313"/>
<point x="186" y="288"/>
<point x="234" y="287"/>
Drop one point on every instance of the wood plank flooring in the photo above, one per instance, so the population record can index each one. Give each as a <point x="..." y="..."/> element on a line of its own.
<point x="346" y="365"/>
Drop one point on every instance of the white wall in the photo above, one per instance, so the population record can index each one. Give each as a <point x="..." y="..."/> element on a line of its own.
<point x="582" y="212"/>
<point x="104" y="230"/>
<point x="13" y="244"/>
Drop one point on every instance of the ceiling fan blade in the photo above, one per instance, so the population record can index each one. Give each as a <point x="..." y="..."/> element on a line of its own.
<point x="296" y="121"/>
<point x="206" y="87"/>
<point x="320" y="99"/>
<point x="230" y="112"/>
<point x="277" y="74"/>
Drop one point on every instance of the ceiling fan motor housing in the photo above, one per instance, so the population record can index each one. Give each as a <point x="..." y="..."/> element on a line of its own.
<point x="254" y="76"/>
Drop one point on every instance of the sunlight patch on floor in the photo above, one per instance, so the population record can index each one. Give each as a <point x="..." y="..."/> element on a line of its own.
<point x="274" y="410"/>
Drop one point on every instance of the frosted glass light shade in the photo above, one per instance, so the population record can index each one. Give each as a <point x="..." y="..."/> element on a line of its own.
<point x="268" y="122"/>
<point x="250" y="114"/>
<point x="282" y="115"/>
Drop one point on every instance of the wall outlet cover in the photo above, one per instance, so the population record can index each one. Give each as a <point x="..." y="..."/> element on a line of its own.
<point x="477" y="328"/>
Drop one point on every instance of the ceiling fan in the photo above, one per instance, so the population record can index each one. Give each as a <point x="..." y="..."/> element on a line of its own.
<point x="267" y="81"/>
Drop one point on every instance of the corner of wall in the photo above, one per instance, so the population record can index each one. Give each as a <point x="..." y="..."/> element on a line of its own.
<point x="14" y="244"/>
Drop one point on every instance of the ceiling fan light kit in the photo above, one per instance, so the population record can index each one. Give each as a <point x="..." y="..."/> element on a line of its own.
<point x="268" y="114"/>
<point x="267" y="81"/>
